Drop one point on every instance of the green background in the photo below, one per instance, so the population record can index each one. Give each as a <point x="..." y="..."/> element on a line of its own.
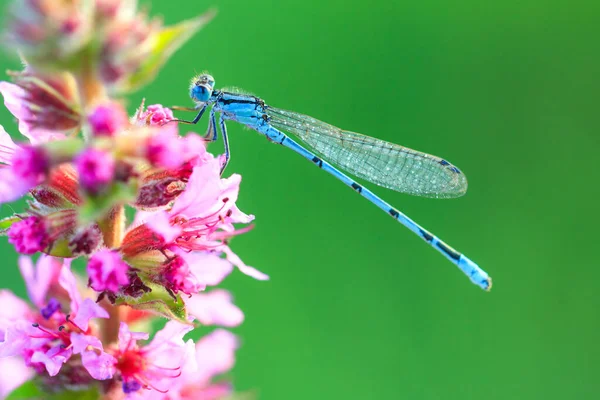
<point x="358" y="307"/>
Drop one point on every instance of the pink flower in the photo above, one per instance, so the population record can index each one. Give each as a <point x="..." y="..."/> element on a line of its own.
<point x="108" y="119"/>
<point x="107" y="271"/>
<point x="153" y="366"/>
<point x="48" y="337"/>
<point x="96" y="169"/>
<point x="204" y="214"/>
<point x="156" y="115"/>
<point x="29" y="235"/>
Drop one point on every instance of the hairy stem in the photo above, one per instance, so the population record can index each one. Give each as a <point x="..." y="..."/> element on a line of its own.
<point x="113" y="227"/>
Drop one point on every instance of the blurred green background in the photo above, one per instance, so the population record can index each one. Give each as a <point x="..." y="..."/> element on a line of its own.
<point x="358" y="307"/>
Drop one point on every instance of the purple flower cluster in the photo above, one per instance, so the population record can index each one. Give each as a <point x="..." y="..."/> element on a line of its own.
<point x="83" y="163"/>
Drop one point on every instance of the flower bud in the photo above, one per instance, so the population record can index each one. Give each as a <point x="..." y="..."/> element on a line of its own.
<point x="47" y="107"/>
<point x="30" y="163"/>
<point x="126" y="46"/>
<point x="107" y="271"/>
<point x="50" y="32"/>
<point x="29" y="235"/>
<point x="108" y="119"/>
<point x="96" y="170"/>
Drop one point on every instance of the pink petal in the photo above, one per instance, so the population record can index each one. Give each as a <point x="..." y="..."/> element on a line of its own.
<point x="245" y="269"/>
<point x="215" y="354"/>
<point x="193" y="146"/>
<point x="19" y="336"/>
<point x="208" y="268"/>
<point x="87" y="310"/>
<point x="81" y="342"/>
<point x="38" y="279"/>
<point x="7" y="146"/>
<point x="14" y="374"/>
<point x="202" y="191"/>
<point x="160" y="223"/>
<point x="53" y="359"/>
<point x="128" y="338"/>
<point x="68" y="282"/>
<point x="12" y="309"/>
<point x="12" y="187"/>
<point x="101" y="365"/>
<point x="171" y="334"/>
<point x="214" y="308"/>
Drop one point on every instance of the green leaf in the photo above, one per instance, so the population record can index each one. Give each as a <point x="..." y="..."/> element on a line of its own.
<point x="32" y="390"/>
<point x="6" y="223"/>
<point x="158" y="301"/>
<point x="95" y="208"/>
<point x="164" y="43"/>
<point x="28" y="390"/>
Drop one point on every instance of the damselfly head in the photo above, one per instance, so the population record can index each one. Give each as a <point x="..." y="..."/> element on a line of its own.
<point x="202" y="87"/>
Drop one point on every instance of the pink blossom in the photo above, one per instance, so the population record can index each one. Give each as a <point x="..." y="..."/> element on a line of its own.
<point x="214" y="308"/>
<point x="156" y="114"/>
<point x="107" y="271"/>
<point x="153" y="366"/>
<point x="205" y="213"/>
<point x="47" y="338"/>
<point x="29" y="235"/>
<point x="108" y="119"/>
<point x="96" y="169"/>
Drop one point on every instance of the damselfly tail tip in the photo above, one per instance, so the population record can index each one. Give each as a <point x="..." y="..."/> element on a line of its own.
<point x="488" y="284"/>
<point x="476" y="274"/>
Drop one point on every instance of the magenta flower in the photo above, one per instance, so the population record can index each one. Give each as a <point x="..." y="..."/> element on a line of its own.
<point x="29" y="235"/>
<point x="38" y="233"/>
<point x="108" y="119"/>
<point x="96" y="169"/>
<point x="107" y="271"/>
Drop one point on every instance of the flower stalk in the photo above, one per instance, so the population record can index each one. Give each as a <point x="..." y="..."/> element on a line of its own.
<point x="84" y="165"/>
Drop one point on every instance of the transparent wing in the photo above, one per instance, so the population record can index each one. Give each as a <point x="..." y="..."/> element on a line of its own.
<point x="382" y="163"/>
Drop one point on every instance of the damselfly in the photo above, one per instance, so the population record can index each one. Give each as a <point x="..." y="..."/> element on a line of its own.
<point x="382" y="163"/>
